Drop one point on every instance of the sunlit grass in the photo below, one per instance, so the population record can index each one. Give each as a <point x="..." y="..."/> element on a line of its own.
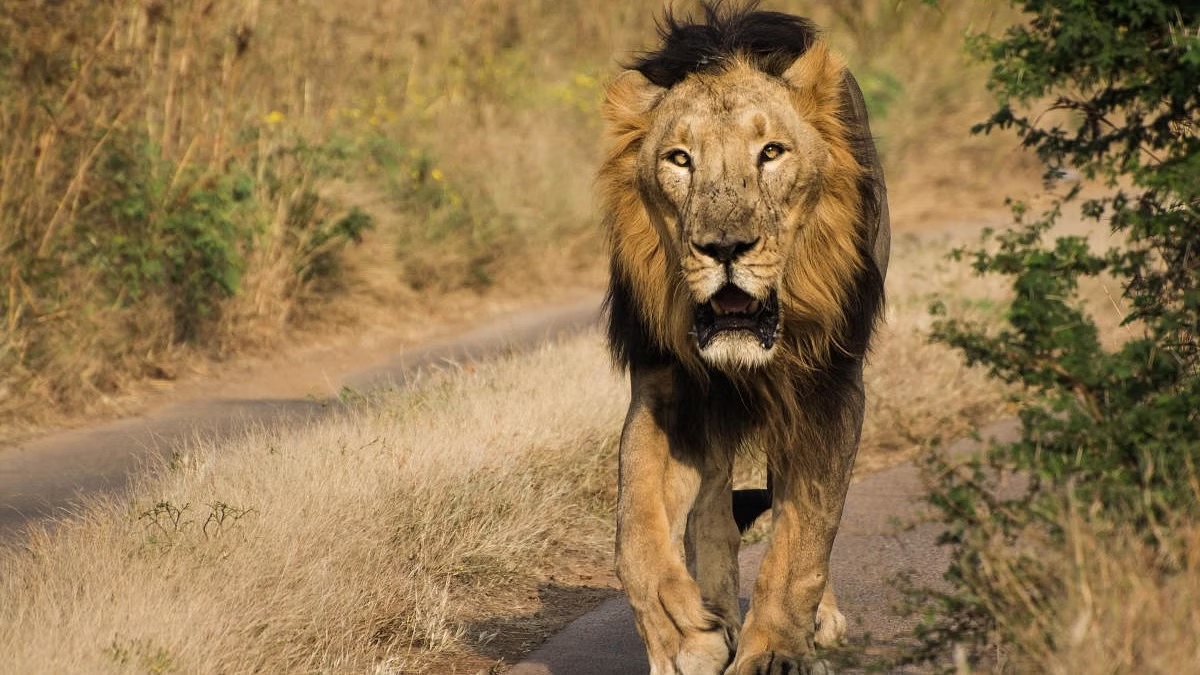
<point x="369" y="540"/>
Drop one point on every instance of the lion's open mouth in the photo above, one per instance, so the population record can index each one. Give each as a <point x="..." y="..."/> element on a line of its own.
<point x="732" y="309"/>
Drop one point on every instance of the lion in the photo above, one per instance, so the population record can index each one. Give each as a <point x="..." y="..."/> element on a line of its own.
<point x="749" y="236"/>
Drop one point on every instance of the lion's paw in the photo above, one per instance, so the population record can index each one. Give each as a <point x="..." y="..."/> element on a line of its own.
<point x="831" y="627"/>
<point x="705" y="653"/>
<point x="776" y="663"/>
<point x="688" y="637"/>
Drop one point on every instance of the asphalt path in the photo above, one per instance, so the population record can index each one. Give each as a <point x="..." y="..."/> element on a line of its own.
<point x="884" y="533"/>
<point x="45" y="477"/>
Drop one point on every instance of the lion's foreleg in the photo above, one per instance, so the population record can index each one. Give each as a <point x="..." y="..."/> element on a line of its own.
<point x="781" y="624"/>
<point x="792" y="594"/>
<point x="657" y="489"/>
<point x="712" y="539"/>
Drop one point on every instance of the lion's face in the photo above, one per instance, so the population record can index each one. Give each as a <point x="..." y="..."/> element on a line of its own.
<point x="732" y="201"/>
<point x="731" y="169"/>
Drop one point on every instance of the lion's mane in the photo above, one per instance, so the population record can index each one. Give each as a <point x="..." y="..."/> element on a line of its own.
<point x="832" y="297"/>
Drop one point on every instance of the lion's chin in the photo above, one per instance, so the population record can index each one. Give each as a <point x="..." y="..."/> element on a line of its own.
<point x="736" y="350"/>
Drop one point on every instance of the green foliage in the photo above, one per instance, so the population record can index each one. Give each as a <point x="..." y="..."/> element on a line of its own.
<point x="146" y="232"/>
<point x="149" y="229"/>
<point x="154" y="194"/>
<point x="313" y="229"/>
<point x="1115" y="430"/>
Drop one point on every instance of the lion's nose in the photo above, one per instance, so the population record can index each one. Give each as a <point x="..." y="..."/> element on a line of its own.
<point x="725" y="249"/>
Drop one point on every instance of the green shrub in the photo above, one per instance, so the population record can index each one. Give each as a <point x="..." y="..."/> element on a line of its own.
<point x="1116" y="430"/>
<point x="145" y="233"/>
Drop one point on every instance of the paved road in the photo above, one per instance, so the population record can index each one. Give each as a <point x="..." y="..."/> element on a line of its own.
<point x="872" y="547"/>
<point x="42" y="477"/>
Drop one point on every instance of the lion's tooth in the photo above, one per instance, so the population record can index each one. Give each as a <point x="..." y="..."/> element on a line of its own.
<point x="753" y="308"/>
<point x="716" y="306"/>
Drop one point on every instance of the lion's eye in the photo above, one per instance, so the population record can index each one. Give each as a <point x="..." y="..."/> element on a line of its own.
<point x="770" y="151"/>
<point x="679" y="158"/>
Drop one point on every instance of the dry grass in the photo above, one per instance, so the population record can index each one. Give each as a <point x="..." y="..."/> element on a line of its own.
<point x="1100" y="600"/>
<point x="476" y="120"/>
<point x="1123" y="613"/>
<point x="926" y="92"/>
<point x="370" y="540"/>
<point x="116" y="117"/>
<point x="920" y="393"/>
<point x="157" y="199"/>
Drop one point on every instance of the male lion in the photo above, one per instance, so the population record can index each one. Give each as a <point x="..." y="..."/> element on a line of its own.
<point x="748" y="225"/>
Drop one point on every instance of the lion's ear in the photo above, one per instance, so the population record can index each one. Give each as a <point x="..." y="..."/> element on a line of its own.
<point x="817" y="81"/>
<point x="627" y="100"/>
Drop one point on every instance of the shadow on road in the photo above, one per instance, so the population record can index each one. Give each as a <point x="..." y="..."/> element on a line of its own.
<point x="498" y="639"/>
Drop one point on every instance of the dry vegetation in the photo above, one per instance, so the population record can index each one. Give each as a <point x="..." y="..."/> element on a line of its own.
<point x="180" y="180"/>
<point x="925" y="91"/>
<point x="190" y="180"/>
<point x="1102" y="600"/>
<point x="368" y="541"/>
<point x="1123" y="614"/>
<point x="919" y="393"/>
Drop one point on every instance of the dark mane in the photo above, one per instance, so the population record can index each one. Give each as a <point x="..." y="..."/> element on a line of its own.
<point x="772" y="40"/>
